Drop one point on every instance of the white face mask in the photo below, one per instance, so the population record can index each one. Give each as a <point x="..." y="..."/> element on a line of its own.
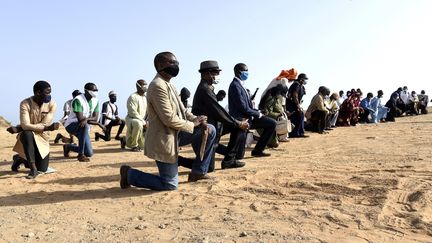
<point x="143" y="87"/>
<point x="216" y="79"/>
<point x="92" y="93"/>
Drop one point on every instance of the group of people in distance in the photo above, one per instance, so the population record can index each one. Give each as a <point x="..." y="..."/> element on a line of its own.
<point x="159" y="121"/>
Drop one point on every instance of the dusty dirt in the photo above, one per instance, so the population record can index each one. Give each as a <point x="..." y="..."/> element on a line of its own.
<point x="370" y="183"/>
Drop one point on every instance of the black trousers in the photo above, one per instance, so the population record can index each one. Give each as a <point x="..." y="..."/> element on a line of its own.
<point x="31" y="151"/>
<point x="318" y="120"/>
<point x="364" y="117"/>
<point x="269" y="126"/>
<point x="107" y="135"/>
<point x="233" y="151"/>
<point x="237" y="139"/>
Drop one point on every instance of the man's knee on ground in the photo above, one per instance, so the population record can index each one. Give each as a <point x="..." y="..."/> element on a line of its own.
<point x="170" y="187"/>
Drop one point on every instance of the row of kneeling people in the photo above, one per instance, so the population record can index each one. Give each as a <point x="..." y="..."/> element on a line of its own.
<point x="157" y="112"/>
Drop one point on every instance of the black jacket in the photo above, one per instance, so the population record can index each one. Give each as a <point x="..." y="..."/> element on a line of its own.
<point x="205" y="103"/>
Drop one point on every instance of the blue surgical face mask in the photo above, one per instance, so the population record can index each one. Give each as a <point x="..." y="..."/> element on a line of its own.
<point x="244" y="75"/>
<point x="304" y="82"/>
<point x="46" y="99"/>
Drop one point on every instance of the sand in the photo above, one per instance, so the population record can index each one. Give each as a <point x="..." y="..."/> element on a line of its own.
<point x="369" y="183"/>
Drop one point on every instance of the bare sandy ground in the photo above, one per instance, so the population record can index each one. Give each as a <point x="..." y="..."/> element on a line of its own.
<point x="357" y="184"/>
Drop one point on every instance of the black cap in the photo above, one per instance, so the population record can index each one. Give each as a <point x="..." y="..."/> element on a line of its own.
<point x="76" y="93"/>
<point x="302" y="76"/>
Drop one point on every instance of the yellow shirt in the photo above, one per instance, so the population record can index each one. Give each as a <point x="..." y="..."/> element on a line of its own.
<point x="34" y="118"/>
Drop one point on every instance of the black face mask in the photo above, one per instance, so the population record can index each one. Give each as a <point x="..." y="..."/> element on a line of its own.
<point x="113" y="99"/>
<point x="46" y="99"/>
<point x="171" y="70"/>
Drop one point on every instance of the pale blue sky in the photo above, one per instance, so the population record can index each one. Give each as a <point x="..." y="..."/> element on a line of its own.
<point x="370" y="44"/>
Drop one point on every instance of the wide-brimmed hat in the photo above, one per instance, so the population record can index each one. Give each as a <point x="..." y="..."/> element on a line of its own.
<point x="209" y="65"/>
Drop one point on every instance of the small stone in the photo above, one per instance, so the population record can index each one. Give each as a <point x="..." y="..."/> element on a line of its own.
<point x="30" y="235"/>
<point x="162" y="226"/>
<point x="140" y="227"/>
<point x="199" y="218"/>
<point x="205" y="240"/>
<point x="243" y="234"/>
<point x="254" y="207"/>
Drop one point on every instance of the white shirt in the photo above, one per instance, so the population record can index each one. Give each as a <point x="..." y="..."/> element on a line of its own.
<point x="405" y="96"/>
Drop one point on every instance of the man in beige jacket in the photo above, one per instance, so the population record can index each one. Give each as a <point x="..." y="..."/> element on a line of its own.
<point x="170" y="125"/>
<point x="36" y="115"/>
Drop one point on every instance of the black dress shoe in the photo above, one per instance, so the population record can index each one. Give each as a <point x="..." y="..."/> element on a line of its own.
<point x="123" y="142"/>
<point x="123" y="176"/>
<point x="66" y="150"/>
<point x="255" y="153"/>
<point x="17" y="161"/>
<point x="232" y="164"/>
<point x="15" y="166"/>
<point x="299" y="136"/>
<point x="196" y="177"/>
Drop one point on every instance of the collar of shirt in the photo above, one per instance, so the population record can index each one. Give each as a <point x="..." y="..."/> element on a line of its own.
<point x="241" y="82"/>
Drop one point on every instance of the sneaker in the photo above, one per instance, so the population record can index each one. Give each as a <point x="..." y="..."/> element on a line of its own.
<point x="57" y="138"/>
<point x="32" y="175"/>
<point x="83" y="158"/>
<point x="197" y="177"/>
<point x="232" y="164"/>
<point x="136" y="149"/>
<point x="272" y="145"/>
<point x="123" y="176"/>
<point x="283" y="139"/>
<point x="66" y="150"/>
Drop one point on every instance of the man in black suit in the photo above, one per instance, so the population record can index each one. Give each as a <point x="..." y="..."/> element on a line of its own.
<point x="206" y="103"/>
<point x="241" y="108"/>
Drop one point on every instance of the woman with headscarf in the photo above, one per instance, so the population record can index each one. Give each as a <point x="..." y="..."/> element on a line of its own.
<point x="285" y="78"/>
<point x="272" y="105"/>
<point x="36" y="115"/>
<point x="350" y="110"/>
<point x="393" y="108"/>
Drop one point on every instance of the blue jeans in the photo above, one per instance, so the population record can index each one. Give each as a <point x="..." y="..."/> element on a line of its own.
<point x="82" y="133"/>
<point x="199" y="167"/>
<point x="168" y="173"/>
<point x="166" y="180"/>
